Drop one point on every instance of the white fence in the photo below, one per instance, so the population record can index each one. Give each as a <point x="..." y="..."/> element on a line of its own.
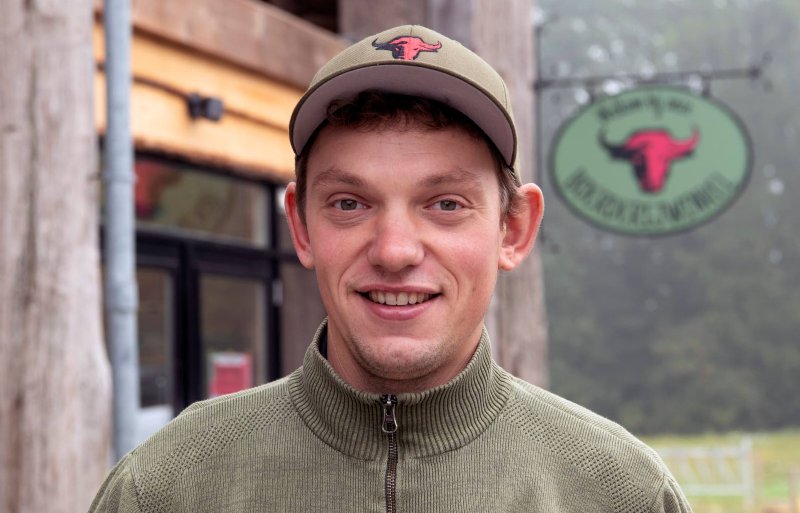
<point x="714" y="471"/>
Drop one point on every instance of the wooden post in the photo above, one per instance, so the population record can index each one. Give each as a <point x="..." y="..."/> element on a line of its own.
<point x="54" y="377"/>
<point x="503" y="34"/>
<point x="746" y="455"/>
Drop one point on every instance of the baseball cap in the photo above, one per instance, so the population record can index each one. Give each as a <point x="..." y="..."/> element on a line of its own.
<point x="415" y="61"/>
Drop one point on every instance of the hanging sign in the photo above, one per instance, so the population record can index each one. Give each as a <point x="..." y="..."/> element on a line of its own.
<point x="651" y="161"/>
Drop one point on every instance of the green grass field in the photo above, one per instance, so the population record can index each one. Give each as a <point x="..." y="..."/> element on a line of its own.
<point x="775" y="455"/>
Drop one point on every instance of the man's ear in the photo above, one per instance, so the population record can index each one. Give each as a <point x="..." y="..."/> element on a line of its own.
<point x="297" y="227"/>
<point x="521" y="227"/>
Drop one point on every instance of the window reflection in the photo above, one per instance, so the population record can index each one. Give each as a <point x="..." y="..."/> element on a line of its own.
<point x="155" y="337"/>
<point x="175" y="197"/>
<point x="233" y="329"/>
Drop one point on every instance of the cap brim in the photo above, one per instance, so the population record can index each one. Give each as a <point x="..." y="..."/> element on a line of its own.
<point x="409" y="79"/>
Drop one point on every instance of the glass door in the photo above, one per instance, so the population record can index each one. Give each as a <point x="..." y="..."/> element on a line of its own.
<point x="208" y="269"/>
<point x="156" y="348"/>
<point x="233" y="333"/>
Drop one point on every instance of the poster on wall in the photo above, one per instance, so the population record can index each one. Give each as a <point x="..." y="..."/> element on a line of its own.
<point x="651" y="161"/>
<point x="230" y="372"/>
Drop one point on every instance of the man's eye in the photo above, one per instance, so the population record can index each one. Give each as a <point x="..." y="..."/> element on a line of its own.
<point x="346" y="204"/>
<point x="447" y="205"/>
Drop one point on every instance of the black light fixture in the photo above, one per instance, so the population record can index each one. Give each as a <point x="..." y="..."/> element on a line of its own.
<point x="206" y="107"/>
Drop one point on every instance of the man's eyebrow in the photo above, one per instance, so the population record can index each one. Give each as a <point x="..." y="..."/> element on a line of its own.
<point x="334" y="175"/>
<point x="457" y="175"/>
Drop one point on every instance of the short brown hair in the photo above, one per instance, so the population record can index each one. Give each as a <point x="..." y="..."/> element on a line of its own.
<point x="376" y="110"/>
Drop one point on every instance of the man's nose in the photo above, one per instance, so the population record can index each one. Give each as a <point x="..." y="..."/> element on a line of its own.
<point x="396" y="243"/>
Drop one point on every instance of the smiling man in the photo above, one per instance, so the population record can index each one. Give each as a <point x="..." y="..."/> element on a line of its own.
<point x="404" y="227"/>
<point x="407" y="204"/>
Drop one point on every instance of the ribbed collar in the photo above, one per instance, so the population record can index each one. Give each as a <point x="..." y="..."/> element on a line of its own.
<point x="430" y="422"/>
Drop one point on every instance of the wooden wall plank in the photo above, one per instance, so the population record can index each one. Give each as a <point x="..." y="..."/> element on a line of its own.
<point x="251" y="34"/>
<point x="159" y="122"/>
<point x="189" y="72"/>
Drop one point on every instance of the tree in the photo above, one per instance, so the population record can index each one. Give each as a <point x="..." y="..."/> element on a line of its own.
<point x="696" y="331"/>
<point x="54" y="376"/>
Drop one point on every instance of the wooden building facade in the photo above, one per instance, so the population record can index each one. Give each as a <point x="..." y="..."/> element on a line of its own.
<point x="223" y="301"/>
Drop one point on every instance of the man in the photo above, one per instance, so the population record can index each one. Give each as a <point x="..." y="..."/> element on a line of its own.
<point x="407" y="204"/>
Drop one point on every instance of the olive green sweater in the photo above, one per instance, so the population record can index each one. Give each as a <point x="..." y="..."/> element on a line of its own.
<point x="484" y="442"/>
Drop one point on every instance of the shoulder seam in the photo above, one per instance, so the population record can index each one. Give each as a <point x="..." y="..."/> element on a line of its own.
<point x="659" y="492"/>
<point x="628" y="441"/>
<point x="594" y="460"/>
<point x="207" y="403"/>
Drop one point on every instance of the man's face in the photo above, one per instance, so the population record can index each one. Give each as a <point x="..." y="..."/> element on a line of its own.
<point x="403" y="228"/>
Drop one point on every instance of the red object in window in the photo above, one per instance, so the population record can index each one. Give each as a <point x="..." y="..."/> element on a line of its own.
<point x="230" y="372"/>
<point x="152" y="179"/>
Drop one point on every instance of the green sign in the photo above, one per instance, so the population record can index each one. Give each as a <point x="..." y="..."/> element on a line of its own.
<point x="651" y="161"/>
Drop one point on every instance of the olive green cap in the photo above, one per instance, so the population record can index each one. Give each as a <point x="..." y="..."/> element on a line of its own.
<point x="415" y="61"/>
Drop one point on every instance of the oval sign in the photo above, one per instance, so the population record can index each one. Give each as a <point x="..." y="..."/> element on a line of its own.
<point x="651" y="161"/>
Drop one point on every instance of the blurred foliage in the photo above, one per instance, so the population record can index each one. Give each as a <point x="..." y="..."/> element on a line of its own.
<point x="699" y="331"/>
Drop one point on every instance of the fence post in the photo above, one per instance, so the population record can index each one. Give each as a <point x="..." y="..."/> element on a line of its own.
<point x="748" y="494"/>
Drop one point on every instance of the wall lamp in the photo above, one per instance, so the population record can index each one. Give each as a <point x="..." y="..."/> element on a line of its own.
<point x="206" y="107"/>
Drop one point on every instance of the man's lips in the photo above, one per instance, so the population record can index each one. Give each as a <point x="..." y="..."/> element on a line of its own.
<point x="394" y="303"/>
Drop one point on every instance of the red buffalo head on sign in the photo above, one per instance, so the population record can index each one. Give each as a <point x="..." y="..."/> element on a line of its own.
<point x="651" y="151"/>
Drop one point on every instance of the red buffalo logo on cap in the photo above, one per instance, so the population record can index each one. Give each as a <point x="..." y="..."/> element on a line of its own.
<point x="407" y="48"/>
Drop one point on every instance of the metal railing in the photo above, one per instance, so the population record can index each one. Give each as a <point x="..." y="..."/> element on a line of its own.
<point x="714" y="471"/>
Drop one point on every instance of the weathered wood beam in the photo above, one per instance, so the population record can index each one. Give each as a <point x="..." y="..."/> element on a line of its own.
<point x="55" y="408"/>
<point x="251" y="34"/>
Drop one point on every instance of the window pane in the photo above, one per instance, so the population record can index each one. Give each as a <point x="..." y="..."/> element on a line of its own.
<point x="155" y="337"/>
<point x="233" y="331"/>
<point x="175" y="197"/>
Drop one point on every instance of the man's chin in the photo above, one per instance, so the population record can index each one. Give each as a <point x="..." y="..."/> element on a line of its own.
<point x="400" y="358"/>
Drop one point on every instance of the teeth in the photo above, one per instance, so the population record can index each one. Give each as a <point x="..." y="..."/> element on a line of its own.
<point x="400" y="299"/>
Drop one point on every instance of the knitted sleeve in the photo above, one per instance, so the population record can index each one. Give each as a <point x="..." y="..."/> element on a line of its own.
<point x="670" y="499"/>
<point x="118" y="493"/>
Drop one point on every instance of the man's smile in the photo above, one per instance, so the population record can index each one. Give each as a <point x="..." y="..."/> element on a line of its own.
<point x="397" y="299"/>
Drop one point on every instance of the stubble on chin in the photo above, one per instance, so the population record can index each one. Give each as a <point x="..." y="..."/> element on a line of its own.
<point x="407" y="367"/>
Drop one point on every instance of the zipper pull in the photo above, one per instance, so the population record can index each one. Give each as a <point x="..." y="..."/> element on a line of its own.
<point x="389" y="425"/>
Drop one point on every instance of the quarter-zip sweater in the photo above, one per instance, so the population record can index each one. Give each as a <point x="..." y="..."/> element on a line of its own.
<point x="486" y="441"/>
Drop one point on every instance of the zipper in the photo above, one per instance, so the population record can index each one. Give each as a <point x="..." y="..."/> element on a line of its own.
<point x="389" y="426"/>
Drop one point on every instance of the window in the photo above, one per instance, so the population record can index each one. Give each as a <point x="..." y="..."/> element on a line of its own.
<point x="224" y="302"/>
<point x="175" y="198"/>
